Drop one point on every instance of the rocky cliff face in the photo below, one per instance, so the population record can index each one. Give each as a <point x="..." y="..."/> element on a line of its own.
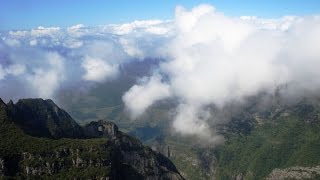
<point x="43" y="118"/>
<point x="297" y="172"/>
<point x="101" y="129"/>
<point x="142" y="159"/>
<point x="100" y="151"/>
<point x="65" y="160"/>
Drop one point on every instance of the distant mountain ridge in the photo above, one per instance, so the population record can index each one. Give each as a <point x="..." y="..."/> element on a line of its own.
<point x="40" y="140"/>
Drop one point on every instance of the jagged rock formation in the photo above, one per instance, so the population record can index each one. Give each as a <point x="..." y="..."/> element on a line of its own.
<point x="160" y="146"/>
<point x="100" y="151"/>
<point x="101" y="129"/>
<point x="64" y="158"/>
<point x="129" y="150"/>
<point x="43" y="118"/>
<point x="297" y="172"/>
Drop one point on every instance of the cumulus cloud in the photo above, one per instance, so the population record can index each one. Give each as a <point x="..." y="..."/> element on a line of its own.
<point x="45" y="31"/>
<point x="190" y="121"/>
<point x="143" y="39"/>
<point x="30" y="73"/>
<point x="101" y="60"/>
<point x="12" y="42"/>
<point x="209" y="59"/>
<point x="215" y="59"/>
<point x="83" y="54"/>
<point x="46" y="81"/>
<point x="158" y="27"/>
<point x="98" y="70"/>
<point x="76" y="28"/>
<point x="141" y="96"/>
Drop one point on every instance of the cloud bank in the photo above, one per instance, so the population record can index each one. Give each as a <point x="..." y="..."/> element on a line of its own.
<point x="40" y="61"/>
<point x="214" y="59"/>
<point x="210" y="59"/>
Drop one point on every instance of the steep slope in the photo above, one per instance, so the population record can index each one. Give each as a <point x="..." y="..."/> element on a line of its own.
<point x="112" y="154"/>
<point x="285" y="142"/>
<point x="277" y="139"/>
<point x="43" y="118"/>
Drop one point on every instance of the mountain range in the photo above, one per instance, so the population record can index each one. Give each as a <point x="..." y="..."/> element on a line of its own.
<point x="39" y="140"/>
<point x="277" y="141"/>
<point x="256" y="133"/>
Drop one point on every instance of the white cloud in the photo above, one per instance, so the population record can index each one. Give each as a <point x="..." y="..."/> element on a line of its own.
<point x="101" y="60"/>
<point x="45" y="81"/>
<point x="15" y="70"/>
<point x="98" y="70"/>
<point x="18" y="33"/>
<point x="141" y="96"/>
<point x="150" y="26"/>
<point x="77" y="30"/>
<point x="75" y="27"/>
<point x="216" y="59"/>
<point x="191" y="120"/>
<point x="141" y="39"/>
<point x="12" y="42"/>
<point x="45" y="31"/>
<point x="72" y="43"/>
<point x="204" y="25"/>
<point x="131" y="48"/>
<point x="282" y="24"/>
<point x="33" y="42"/>
<point x="138" y="39"/>
<point x="210" y="58"/>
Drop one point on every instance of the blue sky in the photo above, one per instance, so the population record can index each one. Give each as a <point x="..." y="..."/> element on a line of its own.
<point x="24" y="14"/>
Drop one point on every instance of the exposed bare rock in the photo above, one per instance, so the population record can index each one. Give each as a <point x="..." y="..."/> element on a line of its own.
<point x="294" y="173"/>
<point x="2" y="167"/>
<point x="43" y="118"/>
<point x="29" y="150"/>
<point x="101" y="128"/>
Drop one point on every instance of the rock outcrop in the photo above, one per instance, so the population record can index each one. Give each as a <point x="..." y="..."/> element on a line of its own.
<point x="101" y="129"/>
<point x="37" y="165"/>
<point x="96" y="151"/>
<point x="297" y="172"/>
<point x="43" y="118"/>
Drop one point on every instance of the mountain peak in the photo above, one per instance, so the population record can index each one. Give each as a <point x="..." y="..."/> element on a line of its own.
<point x="10" y="103"/>
<point x="113" y="155"/>
<point x="3" y="111"/>
<point x="1" y="102"/>
<point x="50" y="101"/>
<point x="38" y="117"/>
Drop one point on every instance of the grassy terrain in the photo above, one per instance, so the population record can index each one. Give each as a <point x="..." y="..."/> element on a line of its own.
<point x="14" y="142"/>
<point x="192" y="161"/>
<point x="280" y="143"/>
<point x="188" y="162"/>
